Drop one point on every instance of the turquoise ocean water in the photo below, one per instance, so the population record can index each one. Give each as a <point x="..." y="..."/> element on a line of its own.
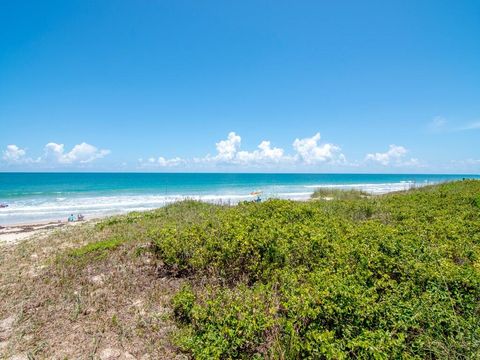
<point x="53" y="196"/>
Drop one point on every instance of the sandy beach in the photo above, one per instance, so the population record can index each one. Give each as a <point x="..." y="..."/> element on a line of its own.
<point x="10" y="234"/>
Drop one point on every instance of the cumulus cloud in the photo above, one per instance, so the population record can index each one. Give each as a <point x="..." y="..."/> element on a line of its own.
<point x="54" y="154"/>
<point x="264" y="153"/>
<point x="228" y="152"/>
<point x="227" y="149"/>
<point x="310" y="151"/>
<point x="394" y="153"/>
<point x="15" y="155"/>
<point x="394" y="156"/>
<point x="81" y="153"/>
<point x="307" y="151"/>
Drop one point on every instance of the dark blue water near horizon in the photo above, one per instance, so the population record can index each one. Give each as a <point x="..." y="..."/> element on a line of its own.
<point x="50" y="196"/>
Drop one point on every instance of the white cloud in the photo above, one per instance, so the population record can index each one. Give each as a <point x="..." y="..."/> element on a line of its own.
<point x="55" y="154"/>
<point x="15" y="155"/>
<point x="227" y="149"/>
<point x="161" y="162"/>
<point x="310" y="152"/>
<point x="307" y="151"/>
<point x="228" y="152"/>
<point x="81" y="153"/>
<point x="170" y="162"/>
<point x="394" y="156"/>
<point x="412" y="162"/>
<point x="264" y="154"/>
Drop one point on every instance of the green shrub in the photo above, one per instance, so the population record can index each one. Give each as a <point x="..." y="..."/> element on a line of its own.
<point x="183" y="303"/>
<point x="226" y="323"/>
<point x="368" y="277"/>
<point x="477" y="201"/>
<point x="396" y="276"/>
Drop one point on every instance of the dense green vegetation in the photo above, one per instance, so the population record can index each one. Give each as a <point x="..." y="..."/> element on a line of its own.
<point x="394" y="276"/>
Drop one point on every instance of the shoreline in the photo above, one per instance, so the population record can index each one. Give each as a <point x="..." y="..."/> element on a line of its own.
<point x="230" y="199"/>
<point x="29" y="226"/>
<point x="31" y="200"/>
<point x="14" y="232"/>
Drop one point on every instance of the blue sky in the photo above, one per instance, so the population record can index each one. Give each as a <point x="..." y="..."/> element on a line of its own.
<point x="314" y="86"/>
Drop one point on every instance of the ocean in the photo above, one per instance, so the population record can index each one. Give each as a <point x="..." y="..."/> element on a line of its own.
<point x="35" y="197"/>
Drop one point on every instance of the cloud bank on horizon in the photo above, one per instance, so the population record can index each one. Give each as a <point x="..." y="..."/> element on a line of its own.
<point x="54" y="155"/>
<point x="307" y="153"/>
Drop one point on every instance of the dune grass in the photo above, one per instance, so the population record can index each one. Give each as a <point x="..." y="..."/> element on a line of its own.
<point x="338" y="194"/>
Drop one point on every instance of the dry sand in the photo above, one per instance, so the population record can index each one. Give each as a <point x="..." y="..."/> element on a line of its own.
<point x="11" y="234"/>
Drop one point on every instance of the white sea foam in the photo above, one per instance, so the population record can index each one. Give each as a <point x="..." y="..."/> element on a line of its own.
<point x="382" y="188"/>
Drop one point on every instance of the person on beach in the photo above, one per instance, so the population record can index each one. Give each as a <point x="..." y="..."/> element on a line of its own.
<point x="71" y="218"/>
